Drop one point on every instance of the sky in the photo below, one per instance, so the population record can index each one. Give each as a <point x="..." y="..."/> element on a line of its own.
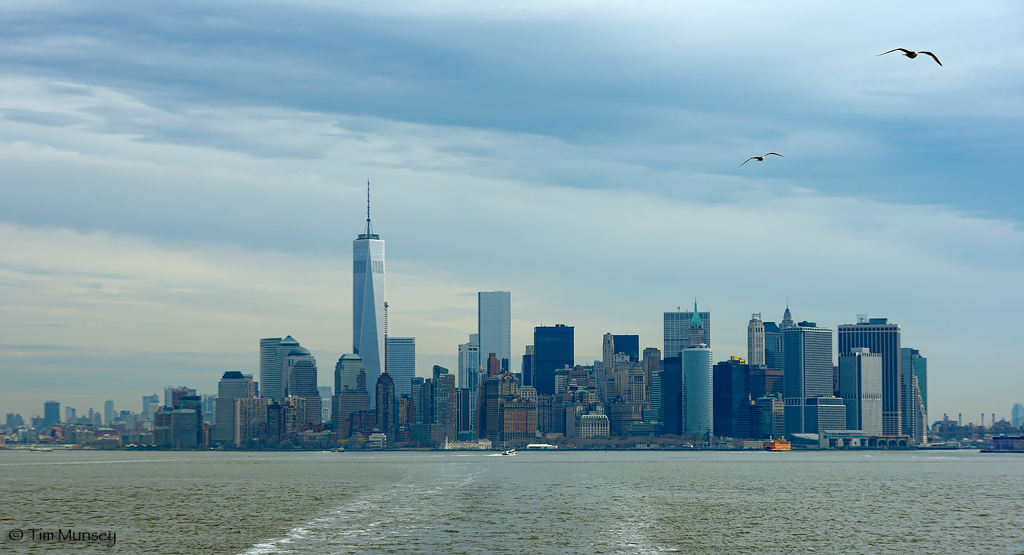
<point x="181" y="180"/>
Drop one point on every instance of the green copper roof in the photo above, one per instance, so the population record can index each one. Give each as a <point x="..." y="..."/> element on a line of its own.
<point x="695" y="321"/>
<point x="289" y="341"/>
<point x="298" y="351"/>
<point x="350" y="356"/>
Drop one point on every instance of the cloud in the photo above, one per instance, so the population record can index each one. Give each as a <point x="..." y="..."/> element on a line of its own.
<point x="186" y="178"/>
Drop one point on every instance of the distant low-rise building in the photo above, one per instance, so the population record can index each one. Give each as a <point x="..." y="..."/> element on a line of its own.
<point x="590" y="426"/>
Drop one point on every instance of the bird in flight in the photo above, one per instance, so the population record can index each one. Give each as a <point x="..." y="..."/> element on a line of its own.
<point x="761" y="158"/>
<point x="911" y="54"/>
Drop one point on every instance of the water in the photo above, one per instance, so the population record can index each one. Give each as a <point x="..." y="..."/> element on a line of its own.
<point x="534" y="502"/>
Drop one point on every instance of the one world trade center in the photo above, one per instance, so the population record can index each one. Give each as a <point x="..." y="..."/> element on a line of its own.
<point x="368" y="301"/>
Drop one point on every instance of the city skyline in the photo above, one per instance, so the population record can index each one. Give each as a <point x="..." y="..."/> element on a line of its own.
<point x="299" y="370"/>
<point x="144" y="232"/>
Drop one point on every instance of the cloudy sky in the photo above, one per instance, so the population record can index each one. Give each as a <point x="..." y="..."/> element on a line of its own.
<point x="179" y="180"/>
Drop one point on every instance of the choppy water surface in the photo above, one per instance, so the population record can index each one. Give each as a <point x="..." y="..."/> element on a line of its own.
<point x="534" y="502"/>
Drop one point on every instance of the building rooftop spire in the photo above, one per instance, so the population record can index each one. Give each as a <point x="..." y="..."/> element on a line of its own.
<point x="368" y="232"/>
<point x="695" y="321"/>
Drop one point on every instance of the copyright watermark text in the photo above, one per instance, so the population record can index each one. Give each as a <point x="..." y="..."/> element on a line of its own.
<point x="61" y="535"/>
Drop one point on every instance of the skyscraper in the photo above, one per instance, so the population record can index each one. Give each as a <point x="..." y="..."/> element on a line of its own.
<point x="469" y="380"/>
<point x="698" y="404"/>
<point x="271" y="385"/>
<point x="807" y="375"/>
<point x="279" y="367"/>
<point x="860" y="386"/>
<point x="1017" y="415"/>
<point x="553" y="349"/>
<point x="51" y="413"/>
<point x="787" y="319"/>
<point x="469" y="362"/>
<point x="672" y="395"/>
<point x="628" y="345"/>
<point x="368" y="300"/>
<point x="302" y="378"/>
<point x="346" y="373"/>
<point x="527" y="368"/>
<point x="883" y="338"/>
<point x="350" y="393"/>
<point x="677" y="330"/>
<point x="652" y="365"/>
<point x="326" y="394"/>
<point x="772" y="346"/>
<point x="755" y="340"/>
<point x="401" y="365"/>
<point x="444" y="402"/>
<point x="386" y="412"/>
<point x="108" y="412"/>
<point x="494" y="324"/>
<point x="913" y="385"/>
<point x="233" y="385"/>
<point x="150" y="403"/>
<point x="731" y="398"/>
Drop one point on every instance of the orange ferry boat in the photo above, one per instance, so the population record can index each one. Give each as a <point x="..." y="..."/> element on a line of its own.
<point x="777" y="445"/>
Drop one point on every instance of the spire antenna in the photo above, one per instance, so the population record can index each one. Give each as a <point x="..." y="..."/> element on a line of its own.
<point x="368" y="232"/>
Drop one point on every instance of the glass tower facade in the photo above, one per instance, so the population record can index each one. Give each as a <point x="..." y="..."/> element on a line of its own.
<point x="672" y="394"/>
<point x="807" y="373"/>
<point x="368" y="303"/>
<point x="677" y="331"/>
<point x="553" y="349"/>
<point x="271" y="384"/>
<point x="697" y="392"/>
<point x="401" y="365"/>
<point x="883" y="338"/>
<point x="494" y="324"/>
<point x="860" y="386"/>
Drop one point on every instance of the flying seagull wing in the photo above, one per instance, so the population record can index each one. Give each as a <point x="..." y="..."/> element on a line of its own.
<point x="775" y="153"/>
<point x="932" y="55"/>
<point x="748" y="159"/>
<point x="905" y="51"/>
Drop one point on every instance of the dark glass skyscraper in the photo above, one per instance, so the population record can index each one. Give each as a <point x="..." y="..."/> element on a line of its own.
<point x="672" y="394"/>
<point x="386" y="412"/>
<point x="772" y="346"/>
<point x="51" y="413"/>
<point x="528" y="366"/>
<point x="628" y="345"/>
<point x="731" y="398"/>
<point x="553" y="348"/>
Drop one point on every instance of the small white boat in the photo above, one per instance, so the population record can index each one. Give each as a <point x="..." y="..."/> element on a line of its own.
<point x="509" y="452"/>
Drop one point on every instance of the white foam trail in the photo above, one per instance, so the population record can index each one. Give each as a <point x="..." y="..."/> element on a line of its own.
<point x="338" y="523"/>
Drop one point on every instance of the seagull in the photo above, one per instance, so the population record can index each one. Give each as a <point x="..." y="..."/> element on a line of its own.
<point x="760" y="158"/>
<point x="911" y="54"/>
